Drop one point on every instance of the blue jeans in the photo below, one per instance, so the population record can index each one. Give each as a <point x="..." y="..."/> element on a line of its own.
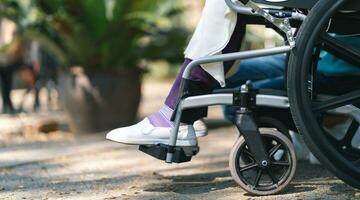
<point x="264" y="72"/>
<point x="268" y="73"/>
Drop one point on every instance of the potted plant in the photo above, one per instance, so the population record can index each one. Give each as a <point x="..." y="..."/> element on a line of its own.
<point x="105" y="43"/>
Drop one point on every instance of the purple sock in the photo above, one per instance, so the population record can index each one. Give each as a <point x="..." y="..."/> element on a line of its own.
<point x="197" y="74"/>
<point x="162" y="117"/>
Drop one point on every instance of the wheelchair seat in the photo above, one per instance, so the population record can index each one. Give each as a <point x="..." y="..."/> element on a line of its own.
<point x="303" y="4"/>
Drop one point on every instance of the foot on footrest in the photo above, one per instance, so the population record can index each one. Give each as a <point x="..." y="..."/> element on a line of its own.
<point x="181" y="154"/>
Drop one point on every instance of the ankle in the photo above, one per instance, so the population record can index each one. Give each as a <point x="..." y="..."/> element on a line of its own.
<point x="162" y="118"/>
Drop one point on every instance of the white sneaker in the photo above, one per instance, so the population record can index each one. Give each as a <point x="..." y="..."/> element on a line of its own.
<point x="200" y="128"/>
<point x="145" y="133"/>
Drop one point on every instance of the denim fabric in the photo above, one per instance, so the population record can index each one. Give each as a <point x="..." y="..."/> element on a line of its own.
<point x="268" y="73"/>
<point x="264" y="72"/>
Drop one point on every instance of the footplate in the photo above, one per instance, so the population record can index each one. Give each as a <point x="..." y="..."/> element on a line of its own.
<point x="181" y="154"/>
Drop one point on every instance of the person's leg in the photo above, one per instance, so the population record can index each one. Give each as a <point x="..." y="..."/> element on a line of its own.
<point x="156" y="128"/>
<point x="39" y="83"/>
<point x="3" y="82"/>
<point x="163" y="117"/>
<point x="198" y="74"/>
<point x="6" y="76"/>
<point x="256" y="69"/>
<point x="264" y="72"/>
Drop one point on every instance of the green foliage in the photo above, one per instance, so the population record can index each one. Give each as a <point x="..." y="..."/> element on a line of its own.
<point x="103" y="34"/>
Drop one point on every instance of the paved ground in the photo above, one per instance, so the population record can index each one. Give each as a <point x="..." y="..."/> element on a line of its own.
<point x="88" y="167"/>
<point x="91" y="168"/>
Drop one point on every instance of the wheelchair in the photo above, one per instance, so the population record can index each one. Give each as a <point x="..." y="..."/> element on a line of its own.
<point x="263" y="162"/>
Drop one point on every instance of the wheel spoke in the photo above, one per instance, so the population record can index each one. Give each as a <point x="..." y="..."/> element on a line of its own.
<point x="272" y="177"/>
<point x="340" y="49"/>
<point x="274" y="149"/>
<point x="336" y="102"/>
<point x="308" y="111"/>
<point x="357" y="163"/>
<point x="350" y="133"/>
<point x="343" y="146"/>
<point x="281" y="163"/>
<point x="248" y="167"/>
<point x="249" y="154"/>
<point x="258" y="177"/>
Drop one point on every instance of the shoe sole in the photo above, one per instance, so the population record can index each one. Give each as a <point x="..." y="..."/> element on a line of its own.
<point x="154" y="142"/>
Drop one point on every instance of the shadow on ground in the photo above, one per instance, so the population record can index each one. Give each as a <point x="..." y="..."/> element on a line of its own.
<point x="307" y="179"/>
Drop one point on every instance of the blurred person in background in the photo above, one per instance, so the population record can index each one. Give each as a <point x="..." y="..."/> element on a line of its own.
<point x="41" y="72"/>
<point x="11" y="59"/>
<point x="36" y="66"/>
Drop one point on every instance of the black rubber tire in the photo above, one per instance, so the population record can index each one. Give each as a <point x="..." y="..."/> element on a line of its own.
<point x="297" y="88"/>
<point x="288" y="176"/>
<point x="268" y="122"/>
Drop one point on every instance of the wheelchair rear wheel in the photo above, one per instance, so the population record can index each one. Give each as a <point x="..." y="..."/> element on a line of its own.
<point x="330" y="122"/>
<point x="264" y="180"/>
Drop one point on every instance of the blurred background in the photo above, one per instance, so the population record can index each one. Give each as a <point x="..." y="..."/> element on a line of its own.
<point x="89" y="66"/>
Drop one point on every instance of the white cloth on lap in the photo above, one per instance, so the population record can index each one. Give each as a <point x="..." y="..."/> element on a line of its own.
<point x="211" y="36"/>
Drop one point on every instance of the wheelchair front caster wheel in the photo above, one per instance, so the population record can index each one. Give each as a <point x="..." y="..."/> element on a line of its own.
<point x="264" y="180"/>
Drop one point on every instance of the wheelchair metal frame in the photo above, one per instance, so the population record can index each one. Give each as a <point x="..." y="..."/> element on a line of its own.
<point x="252" y="105"/>
<point x="223" y="99"/>
<point x="281" y="22"/>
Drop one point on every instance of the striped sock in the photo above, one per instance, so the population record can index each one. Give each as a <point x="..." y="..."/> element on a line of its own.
<point x="162" y="117"/>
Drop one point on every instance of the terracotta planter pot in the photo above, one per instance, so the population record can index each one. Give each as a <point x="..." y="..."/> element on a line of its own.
<point x="100" y="101"/>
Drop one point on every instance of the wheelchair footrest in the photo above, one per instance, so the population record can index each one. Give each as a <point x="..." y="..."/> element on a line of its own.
<point x="181" y="154"/>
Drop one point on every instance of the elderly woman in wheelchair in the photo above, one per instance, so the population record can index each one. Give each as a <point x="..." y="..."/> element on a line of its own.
<point x="322" y="39"/>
